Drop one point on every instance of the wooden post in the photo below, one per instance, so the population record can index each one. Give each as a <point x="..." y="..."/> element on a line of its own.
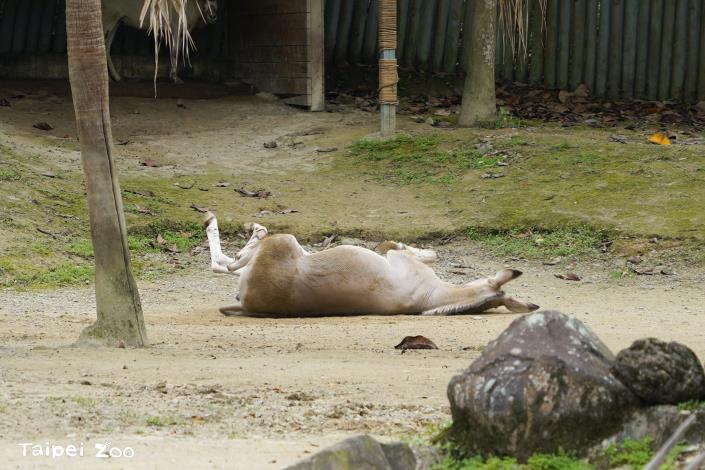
<point x="316" y="60"/>
<point x="388" y="77"/>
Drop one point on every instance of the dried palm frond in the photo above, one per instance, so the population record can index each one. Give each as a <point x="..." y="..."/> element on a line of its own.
<point x="161" y="14"/>
<point x="513" y="21"/>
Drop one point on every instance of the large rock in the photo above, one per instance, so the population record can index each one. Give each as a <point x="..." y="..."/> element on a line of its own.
<point x="365" y="453"/>
<point x="661" y="373"/>
<point x="544" y="384"/>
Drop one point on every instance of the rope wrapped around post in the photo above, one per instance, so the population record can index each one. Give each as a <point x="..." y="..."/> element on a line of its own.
<point x="388" y="77"/>
<point x="387" y="24"/>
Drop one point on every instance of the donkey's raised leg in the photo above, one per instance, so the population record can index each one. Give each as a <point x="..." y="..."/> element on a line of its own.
<point x="424" y="255"/>
<point x="219" y="261"/>
<point x="245" y="255"/>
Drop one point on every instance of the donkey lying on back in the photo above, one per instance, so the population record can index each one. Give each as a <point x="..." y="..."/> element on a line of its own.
<point x="279" y="278"/>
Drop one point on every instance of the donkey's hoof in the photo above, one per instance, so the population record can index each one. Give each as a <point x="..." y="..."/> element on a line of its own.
<point x="208" y="218"/>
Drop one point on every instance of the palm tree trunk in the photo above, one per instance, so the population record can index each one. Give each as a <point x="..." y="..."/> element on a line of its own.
<point x="119" y="310"/>
<point x="478" y="93"/>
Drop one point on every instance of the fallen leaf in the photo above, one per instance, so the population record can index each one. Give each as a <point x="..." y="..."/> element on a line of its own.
<point x="313" y="131"/>
<point x="140" y="192"/>
<point x="568" y="277"/>
<point x="564" y="96"/>
<point x="45" y="232"/>
<point x="259" y="193"/>
<point x="160" y="240"/>
<point x="618" y="138"/>
<point x="581" y="91"/>
<point x="150" y="163"/>
<point x="415" y="342"/>
<point x="659" y="138"/>
<point x="643" y="271"/>
<point x="265" y="212"/>
<point x="202" y="210"/>
<point x="43" y="126"/>
<point x="144" y="211"/>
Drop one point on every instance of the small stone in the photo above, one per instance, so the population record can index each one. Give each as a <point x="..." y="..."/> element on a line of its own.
<point x="272" y="144"/>
<point x="661" y="373"/>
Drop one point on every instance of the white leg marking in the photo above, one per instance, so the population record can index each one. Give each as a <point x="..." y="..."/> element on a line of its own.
<point x="219" y="261"/>
<point x="245" y="255"/>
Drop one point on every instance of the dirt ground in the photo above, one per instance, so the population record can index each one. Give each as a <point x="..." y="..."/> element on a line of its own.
<point x="262" y="393"/>
<point x="250" y="393"/>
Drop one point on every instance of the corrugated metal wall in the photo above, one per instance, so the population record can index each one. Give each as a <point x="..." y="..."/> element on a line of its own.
<point x="651" y="49"/>
<point x="39" y="27"/>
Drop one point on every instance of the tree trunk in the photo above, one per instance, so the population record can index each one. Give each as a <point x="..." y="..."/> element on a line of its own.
<point x="478" y="93"/>
<point x="119" y="309"/>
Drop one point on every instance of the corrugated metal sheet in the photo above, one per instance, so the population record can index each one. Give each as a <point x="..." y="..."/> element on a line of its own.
<point x="652" y="49"/>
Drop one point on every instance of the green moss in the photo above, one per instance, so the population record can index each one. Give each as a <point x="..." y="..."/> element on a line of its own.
<point x="8" y="174"/>
<point x="692" y="405"/>
<point x="539" y="243"/>
<point x="158" y="421"/>
<point x="631" y="452"/>
<point x="420" y="159"/>
<point x="560" y="461"/>
<point x="64" y="274"/>
<point x="81" y="247"/>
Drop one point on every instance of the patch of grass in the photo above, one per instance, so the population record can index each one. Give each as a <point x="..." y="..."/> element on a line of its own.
<point x="636" y="453"/>
<point x="538" y="243"/>
<point x="560" y="461"/>
<point x="9" y="175"/>
<point x="562" y="147"/>
<point x="419" y="159"/>
<point x="85" y="402"/>
<point x="586" y="158"/>
<point x="182" y="235"/>
<point x="631" y="452"/>
<point x="64" y="274"/>
<point x="162" y="421"/>
<point x="692" y="405"/>
<point x="81" y="247"/>
<point x="504" y="119"/>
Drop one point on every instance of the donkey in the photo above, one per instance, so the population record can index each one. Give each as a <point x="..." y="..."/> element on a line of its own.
<point x="279" y="278"/>
<point x="198" y="13"/>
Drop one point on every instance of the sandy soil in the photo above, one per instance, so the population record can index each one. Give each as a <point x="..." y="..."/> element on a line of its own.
<point x="249" y="393"/>
<point x="262" y="393"/>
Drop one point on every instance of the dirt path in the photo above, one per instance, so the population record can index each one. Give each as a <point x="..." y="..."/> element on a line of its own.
<point x="262" y="393"/>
